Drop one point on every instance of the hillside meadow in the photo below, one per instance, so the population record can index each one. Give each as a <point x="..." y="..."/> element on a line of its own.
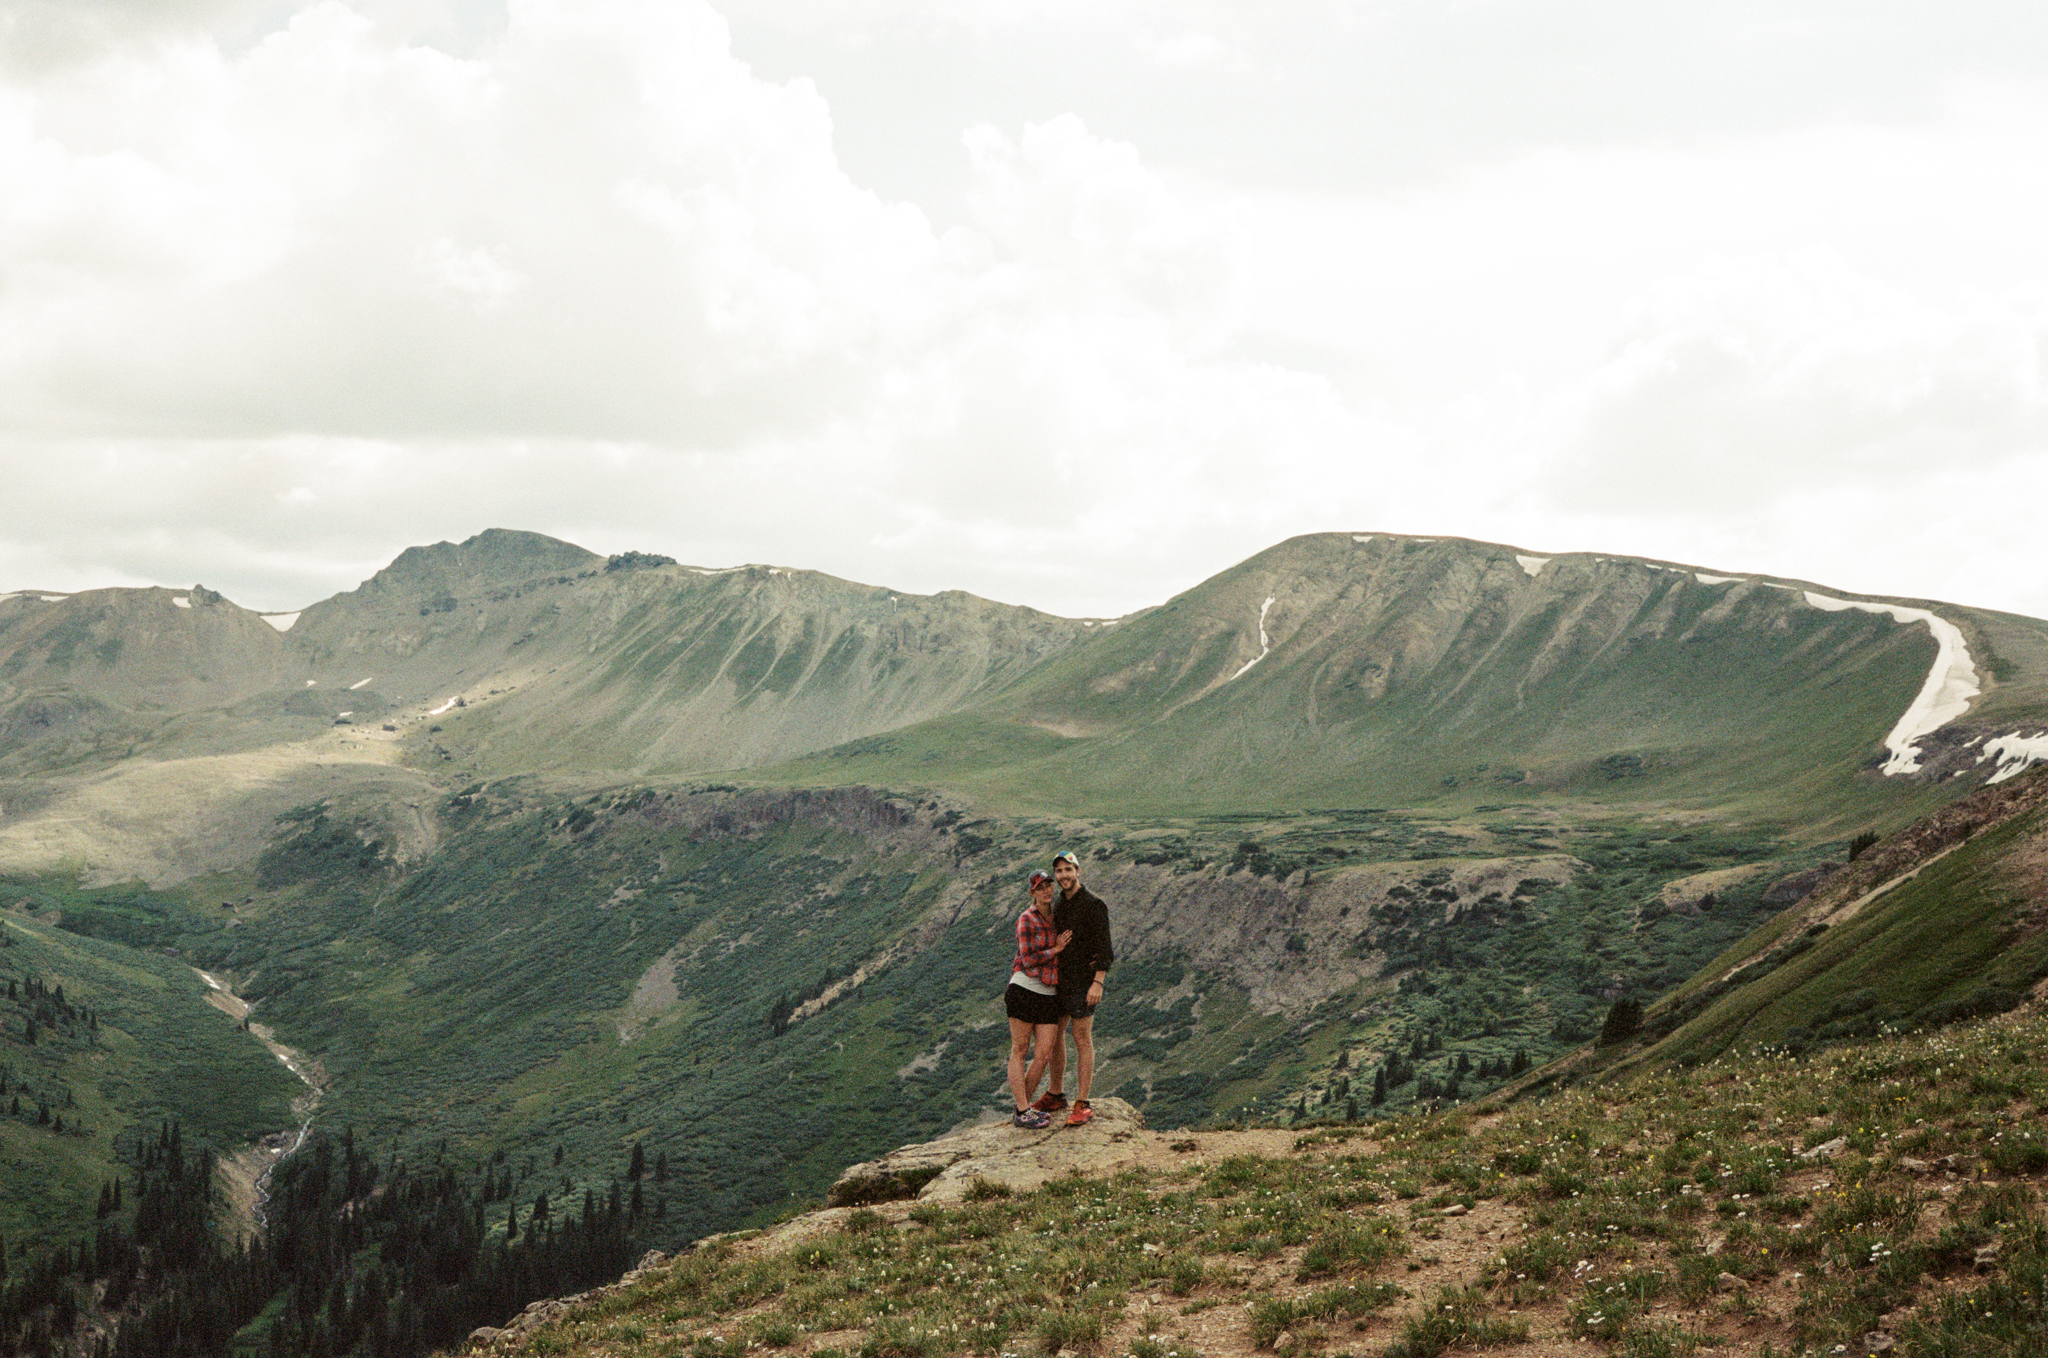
<point x="1882" y="1196"/>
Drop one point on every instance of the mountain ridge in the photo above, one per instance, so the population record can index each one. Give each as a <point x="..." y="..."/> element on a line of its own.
<point x="1329" y="668"/>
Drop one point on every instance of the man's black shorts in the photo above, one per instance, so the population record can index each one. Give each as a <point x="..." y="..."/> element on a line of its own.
<point x="1074" y="1004"/>
<point x="1029" y="1006"/>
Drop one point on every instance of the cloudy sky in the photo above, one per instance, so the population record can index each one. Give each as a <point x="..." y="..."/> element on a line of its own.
<point x="1068" y="304"/>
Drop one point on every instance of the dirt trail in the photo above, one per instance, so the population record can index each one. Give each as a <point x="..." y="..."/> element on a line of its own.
<point x="245" y="1175"/>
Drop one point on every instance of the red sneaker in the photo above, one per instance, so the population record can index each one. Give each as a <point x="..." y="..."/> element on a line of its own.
<point x="1082" y="1112"/>
<point x="1051" y="1101"/>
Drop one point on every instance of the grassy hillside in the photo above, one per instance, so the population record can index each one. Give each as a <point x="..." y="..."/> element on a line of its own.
<point x="129" y="1043"/>
<point x="1887" y="1198"/>
<point x="1939" y="921"/>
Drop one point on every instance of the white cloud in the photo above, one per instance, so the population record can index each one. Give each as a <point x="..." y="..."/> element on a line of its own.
<point x="1189" y="47"/>
<point x="272" y="308"/>
<point x="1754" y="378"/>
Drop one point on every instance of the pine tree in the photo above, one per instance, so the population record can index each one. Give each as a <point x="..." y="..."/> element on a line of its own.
<point x="1379" y="1086"/>
<point x="1623" y="1020"/>
<point x="637" y="1164"/>
<point x="661" y="1167"/>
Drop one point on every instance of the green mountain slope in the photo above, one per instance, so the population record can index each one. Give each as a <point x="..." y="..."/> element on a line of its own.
<point x="1397" y="671"/>
<point x="761" y="986"/>
<point x="508" y="652"/>
<point x="123" y="1038"/>
<point x="1944" y="919"/>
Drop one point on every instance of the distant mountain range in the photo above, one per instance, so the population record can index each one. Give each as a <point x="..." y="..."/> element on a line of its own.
<point x="1331" y="669"/>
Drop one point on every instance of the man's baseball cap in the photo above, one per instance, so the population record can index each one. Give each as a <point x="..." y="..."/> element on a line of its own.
<point x="1066" y="856"/>
<point x="1037" y="875"/>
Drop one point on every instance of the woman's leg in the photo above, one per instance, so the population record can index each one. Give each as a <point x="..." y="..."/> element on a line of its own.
<point x="1020" y="1038"/>
<point x="1046" y="1041"/>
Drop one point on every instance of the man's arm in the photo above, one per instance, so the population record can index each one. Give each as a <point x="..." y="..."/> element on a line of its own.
<point x="1099" y="944"/>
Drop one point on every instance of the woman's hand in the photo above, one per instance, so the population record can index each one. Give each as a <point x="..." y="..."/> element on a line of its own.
<point x="1062" y="941"/>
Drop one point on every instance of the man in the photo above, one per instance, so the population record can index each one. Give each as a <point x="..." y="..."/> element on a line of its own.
<point x="1083" y="966"/>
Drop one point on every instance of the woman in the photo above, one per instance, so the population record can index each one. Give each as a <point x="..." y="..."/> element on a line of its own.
<point x="1032" y="999"/>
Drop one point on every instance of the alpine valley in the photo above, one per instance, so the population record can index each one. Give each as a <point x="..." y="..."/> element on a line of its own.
<point x="527" y="896"/>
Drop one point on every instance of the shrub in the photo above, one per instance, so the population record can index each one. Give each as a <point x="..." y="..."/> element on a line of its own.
<point x="1069" y="1329"/>
<point x="1458" y="1318"/>
<point x="1352" y="1245"/>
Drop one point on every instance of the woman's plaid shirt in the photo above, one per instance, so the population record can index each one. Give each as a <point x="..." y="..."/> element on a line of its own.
<point x="1035" y="957"/>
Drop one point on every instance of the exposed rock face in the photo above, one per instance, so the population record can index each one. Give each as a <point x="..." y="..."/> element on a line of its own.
<point x="995" y="1152"/>
<point x="1796" y="886"/>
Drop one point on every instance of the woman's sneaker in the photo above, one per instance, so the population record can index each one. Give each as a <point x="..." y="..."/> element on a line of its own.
<point x="1032" y="1118"/>
<point x="1082" y="1112"/>
<point x="1051" y="1101"/>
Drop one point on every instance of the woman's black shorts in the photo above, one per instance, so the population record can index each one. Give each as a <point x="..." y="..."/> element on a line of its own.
<point x="1031" y="1007"/>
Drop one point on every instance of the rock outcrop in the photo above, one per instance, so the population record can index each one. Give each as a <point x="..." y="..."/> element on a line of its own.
<point x="992" y="1152"/>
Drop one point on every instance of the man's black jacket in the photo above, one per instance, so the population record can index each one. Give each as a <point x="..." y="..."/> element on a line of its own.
<point x="1089" y="952"/>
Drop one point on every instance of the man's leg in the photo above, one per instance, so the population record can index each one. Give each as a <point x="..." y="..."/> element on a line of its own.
<point x="1084" y="1056"/>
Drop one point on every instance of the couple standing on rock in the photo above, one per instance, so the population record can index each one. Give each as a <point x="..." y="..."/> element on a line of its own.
<point x="1063" y="954"/>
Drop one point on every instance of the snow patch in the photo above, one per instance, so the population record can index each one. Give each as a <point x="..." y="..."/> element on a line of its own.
<point x="1361" y="538"/>
<point x="727" y="570"/>
<point x="281" y="621"/>
<point x="360" y="682"/>
<point x="339" y="715"/>
<point x="182" y="600"/>
<point x="311" y="682"/>
<point x="442" y="708"/>
<point x="1265" y="646"/>
<point x="53" y="598"/>
<point x="2015" y="753"/>
<point x="1946" y="694"/>
<point x="1532" y="564"/>
<point x="1706" y="579"/>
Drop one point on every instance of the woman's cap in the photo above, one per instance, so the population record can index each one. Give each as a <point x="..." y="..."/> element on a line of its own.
<point x="1037" y="875"/>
